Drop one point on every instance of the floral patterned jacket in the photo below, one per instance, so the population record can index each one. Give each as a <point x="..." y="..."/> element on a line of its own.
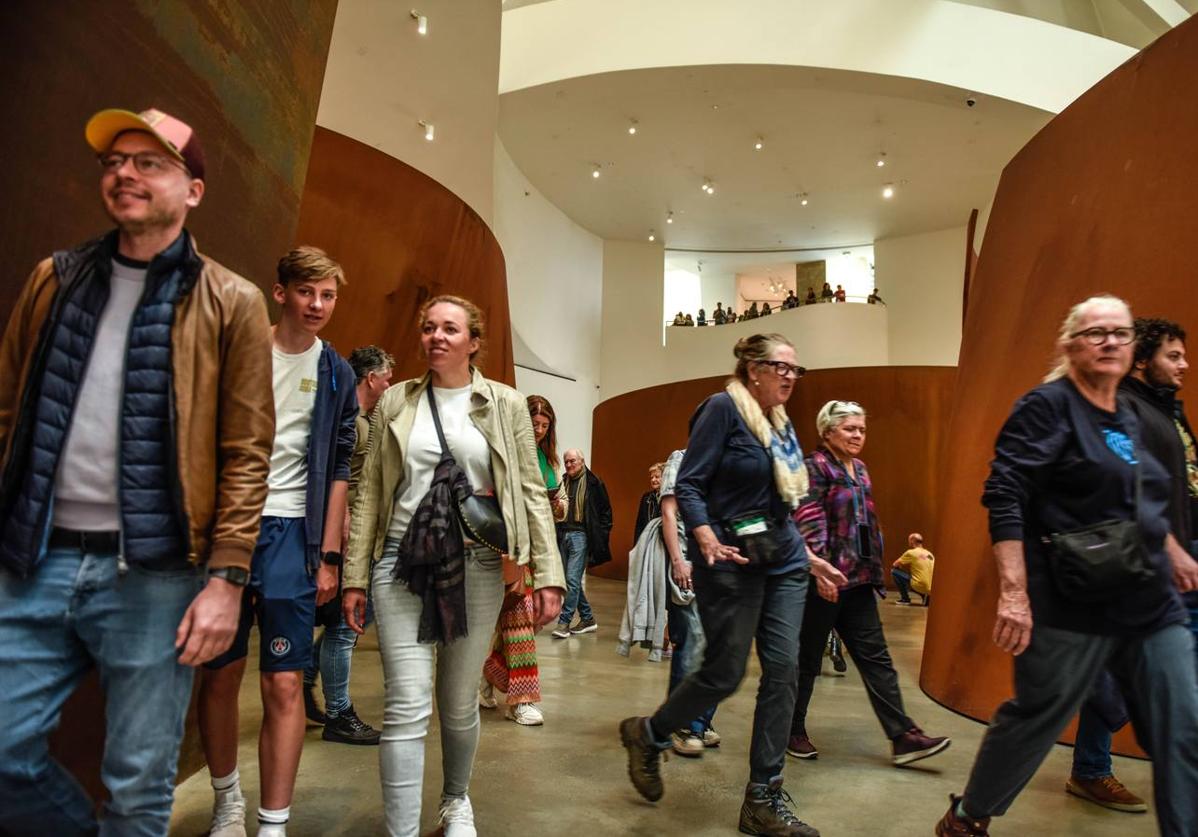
<point x="831" y="515"/>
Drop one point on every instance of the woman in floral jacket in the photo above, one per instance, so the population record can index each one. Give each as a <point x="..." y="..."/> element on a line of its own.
<point x="840" y="524"/>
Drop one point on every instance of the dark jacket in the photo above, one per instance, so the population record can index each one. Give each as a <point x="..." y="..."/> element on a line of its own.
<point x="648" y="509"/>
<point x="1158" y="411"/>
<point x="196" y="425"/>
<point x="331" y="441"/>
<point x="596" y="520"/>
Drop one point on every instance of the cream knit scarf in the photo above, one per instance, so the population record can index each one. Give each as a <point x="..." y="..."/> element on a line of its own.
<point x="777" y="435"/>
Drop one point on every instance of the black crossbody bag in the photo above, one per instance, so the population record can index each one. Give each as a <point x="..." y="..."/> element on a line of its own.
<point x="480" y="514"/>
<point x="1098" y="563"/>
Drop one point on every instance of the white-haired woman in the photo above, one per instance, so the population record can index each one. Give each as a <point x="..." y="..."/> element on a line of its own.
<point x="1069" y="458"/>
<point x="740" y="480"/>
<point x="840" y="525"/>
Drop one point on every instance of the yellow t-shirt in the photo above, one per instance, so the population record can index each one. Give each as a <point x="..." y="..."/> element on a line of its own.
<point x="918" y="562"/>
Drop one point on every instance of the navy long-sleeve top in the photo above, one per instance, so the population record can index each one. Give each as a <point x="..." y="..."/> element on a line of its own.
<point x="725" y="473"/>
<point x="1061" y="463"/>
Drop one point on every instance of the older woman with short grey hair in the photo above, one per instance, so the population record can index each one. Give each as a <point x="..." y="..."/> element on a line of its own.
<point x="840" y="525"/>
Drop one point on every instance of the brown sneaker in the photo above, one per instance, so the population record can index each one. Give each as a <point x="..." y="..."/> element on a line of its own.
<point x="800" y="747"/>
<point x="951" y="825"/>
<point x="913" y="745"/>
<point x="767" y="811"/>
<point x="1108" y="792"/>
<point x="644" y="758"/>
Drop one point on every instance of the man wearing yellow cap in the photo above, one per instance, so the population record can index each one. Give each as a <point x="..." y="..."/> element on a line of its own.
<point x="135" y="440"/>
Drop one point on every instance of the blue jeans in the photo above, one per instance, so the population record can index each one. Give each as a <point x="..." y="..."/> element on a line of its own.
<point x="332" y="656"/>
<point x="902" y="580"/>
<point x="73" y="613"/>
<point x="1092" y="748"/>
<point x="573" y="546"/>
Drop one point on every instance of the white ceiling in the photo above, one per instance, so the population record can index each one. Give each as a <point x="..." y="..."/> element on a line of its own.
<point x="821" y="129"/>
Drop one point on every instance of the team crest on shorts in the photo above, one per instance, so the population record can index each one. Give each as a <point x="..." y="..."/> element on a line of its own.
<point x="280" y="645"/>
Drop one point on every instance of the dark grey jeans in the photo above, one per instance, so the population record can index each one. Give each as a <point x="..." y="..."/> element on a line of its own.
<point x="1052" y="678"/>
<point x="737" y="607"/>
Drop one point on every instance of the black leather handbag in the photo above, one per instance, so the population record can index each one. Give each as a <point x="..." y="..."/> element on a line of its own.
<point x="1098" y="563"/>
<point x="480" y="514"/>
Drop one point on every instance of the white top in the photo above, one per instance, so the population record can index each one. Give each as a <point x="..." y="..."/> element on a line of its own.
<point x="468" y="446"/>
<point x="85" y="487"/>
<point x="295" y="378"/>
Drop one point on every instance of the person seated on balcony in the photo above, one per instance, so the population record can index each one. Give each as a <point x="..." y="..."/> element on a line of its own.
<point x="811" y="300"/>
<point x="791" y="301"/>
<point x="689" y="321"/>
<point x="702" y="318"/>
<point x="731" y="316"/>
<point x="875" y="298"/>
<point x="679" y="320"/>
<point x="765" y="309"/>
<point x="826" y="294"/>
<point x="718" y="316"/>
<point x="839" y="294"/>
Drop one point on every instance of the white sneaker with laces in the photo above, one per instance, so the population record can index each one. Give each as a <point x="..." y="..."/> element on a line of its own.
<point x="228" y="816"/>
<point x="526" y="714"/>
<point x="486" y="696"/>
<point x="562" y="632"/>
<point x="457" y="817"/>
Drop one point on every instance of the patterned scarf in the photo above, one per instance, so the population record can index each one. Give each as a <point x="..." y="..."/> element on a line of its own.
<point x="777" y="435"/>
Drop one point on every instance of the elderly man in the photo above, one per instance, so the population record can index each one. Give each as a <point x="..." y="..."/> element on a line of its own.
<point x="136" y="438"/>
<point x="582" y="540"/>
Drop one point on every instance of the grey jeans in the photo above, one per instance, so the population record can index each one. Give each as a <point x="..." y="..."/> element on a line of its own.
<point x="1052" y="678"/>
<point x="408" y="676"/>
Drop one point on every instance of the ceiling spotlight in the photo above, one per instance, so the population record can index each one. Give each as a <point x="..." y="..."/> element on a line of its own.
<point x="430" y="130"/>
<point x="759" y="144"/>
<point x="421" y="22"/>
<point x="709" y="187"/>
<point x="888" y="191"/>
<point x="632" y="127"/>
<point x="670" y="218"/>
<point x="881" y="159"/>
<point x="595" y="172"/>
<point x="652" y="235"/>
<point x="802" y="198"/>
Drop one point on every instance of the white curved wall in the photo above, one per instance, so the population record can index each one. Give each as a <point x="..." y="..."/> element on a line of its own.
<point x="977" y="49"/>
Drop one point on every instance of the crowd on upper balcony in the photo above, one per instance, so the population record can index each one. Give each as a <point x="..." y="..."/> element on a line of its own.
<point x="722" y="315"/>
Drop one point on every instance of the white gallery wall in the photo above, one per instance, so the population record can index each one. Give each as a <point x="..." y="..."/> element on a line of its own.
<point x="922" y="279"/>
<point x="555" y="291"/>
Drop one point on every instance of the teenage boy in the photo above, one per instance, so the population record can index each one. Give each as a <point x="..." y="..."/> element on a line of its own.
<point x="297" y="561"/>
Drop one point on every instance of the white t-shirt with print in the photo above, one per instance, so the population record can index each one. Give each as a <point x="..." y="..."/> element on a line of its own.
<point x="295" y="381"/>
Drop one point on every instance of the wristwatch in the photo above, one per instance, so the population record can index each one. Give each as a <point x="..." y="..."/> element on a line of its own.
<point x="237" y="576"/>
<point x="333" y="559"/>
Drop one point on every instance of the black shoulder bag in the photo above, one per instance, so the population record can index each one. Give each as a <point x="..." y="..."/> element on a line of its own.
<point x="1098" y="563"/>
<point x="479" y="514"/>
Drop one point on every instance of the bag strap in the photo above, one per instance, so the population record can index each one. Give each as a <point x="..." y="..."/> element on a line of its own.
<point x="432" y="406"/>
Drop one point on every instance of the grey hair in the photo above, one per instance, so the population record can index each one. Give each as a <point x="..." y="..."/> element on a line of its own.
<point x="834" y="412"/>
<point x="1069" y="325"/>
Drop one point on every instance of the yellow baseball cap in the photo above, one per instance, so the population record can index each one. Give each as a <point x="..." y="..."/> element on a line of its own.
<point x="176" y="136"/>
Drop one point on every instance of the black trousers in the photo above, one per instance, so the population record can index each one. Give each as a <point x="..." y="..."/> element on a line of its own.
<point x="855" y="618"/>
<point x="736" y="608"/>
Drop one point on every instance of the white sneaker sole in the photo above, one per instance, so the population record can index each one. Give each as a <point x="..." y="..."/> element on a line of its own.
<point x="908" y="758"/>
<point x="588" y="629"/>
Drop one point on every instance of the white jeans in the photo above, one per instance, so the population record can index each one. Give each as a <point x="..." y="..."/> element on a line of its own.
<point x="408" y="675"/>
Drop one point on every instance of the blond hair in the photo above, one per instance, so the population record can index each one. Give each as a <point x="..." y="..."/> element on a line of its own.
<point x="308" y="264"/>
<point x="475" y="324"/>
<point x="1069" y="326"/>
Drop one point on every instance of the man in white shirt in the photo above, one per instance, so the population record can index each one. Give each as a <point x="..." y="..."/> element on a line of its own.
<point x="297" y="561"/>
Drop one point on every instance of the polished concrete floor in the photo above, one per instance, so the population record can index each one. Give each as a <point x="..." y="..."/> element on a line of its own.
<point x="568" y="777"/>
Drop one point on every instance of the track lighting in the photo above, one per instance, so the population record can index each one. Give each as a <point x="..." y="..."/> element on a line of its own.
<point x="430" y="130"/>
<point x="802" y="198"/>
<point x="595" y="172"/>
<point x="421" y="22"/>
<point x="709" y="187"/>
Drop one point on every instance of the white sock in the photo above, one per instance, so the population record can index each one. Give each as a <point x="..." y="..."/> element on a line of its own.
<point x="273" y="823"/>
<point x="228" y="788"/>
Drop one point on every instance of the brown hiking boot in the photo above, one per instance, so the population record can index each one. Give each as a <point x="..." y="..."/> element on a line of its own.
<point x="913" y="745"/>
<point x="1108" y="792"/>
<point x="766" y="811"/>
<point x="644" y="758"/>
<point x="951" y="825"/>
<point x="800" y="747"/>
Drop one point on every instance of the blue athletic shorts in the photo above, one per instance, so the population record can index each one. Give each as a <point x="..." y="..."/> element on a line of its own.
<point x="282" y="596"/>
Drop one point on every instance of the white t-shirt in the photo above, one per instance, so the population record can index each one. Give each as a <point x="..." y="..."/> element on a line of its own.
<point x="468" y="446"/>
<point x="85" y="487"/>
<point x="295" y="378"/>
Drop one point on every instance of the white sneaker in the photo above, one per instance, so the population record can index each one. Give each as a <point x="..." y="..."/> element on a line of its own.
<point x="526" y="714"/>
<point x="562" y="632"/>
<point x="228" y="816"/>
<point x="457" y="817"/>
<point x="711" y="738"/>
<point x="486" y="696"/>
<point x="686" y="743"/>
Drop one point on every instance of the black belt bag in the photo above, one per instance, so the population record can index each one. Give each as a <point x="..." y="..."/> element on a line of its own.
<point x="480" y="514"/>
<point x="758" y="537"/>
<point x="1098" y="563"/>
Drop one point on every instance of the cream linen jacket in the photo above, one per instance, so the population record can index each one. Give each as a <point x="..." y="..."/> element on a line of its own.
<point x="501" y="414"/>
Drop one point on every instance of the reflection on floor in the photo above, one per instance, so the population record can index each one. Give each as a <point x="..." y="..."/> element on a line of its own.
<point x="568" y="777"/>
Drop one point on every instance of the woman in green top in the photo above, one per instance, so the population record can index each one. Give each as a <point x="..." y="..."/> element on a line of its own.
<point x="512" y="666"/>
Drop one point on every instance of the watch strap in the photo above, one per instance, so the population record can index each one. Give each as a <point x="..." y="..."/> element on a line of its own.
<point x="239" y="576"/>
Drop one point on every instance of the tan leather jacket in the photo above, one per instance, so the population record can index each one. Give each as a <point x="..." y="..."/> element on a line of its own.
<point x="501" y="414"/>
<point x="225" y="414"/>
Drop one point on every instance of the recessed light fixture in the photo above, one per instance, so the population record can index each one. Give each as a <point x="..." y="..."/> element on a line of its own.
<point x="430" y="130"/>
<point x="802" y="198"/>
<point x="881" y="159"/>
<point x="595" y="172"/>
<point x="421" y="22"/>
<point x="652" y="235"/>
<point x="888" y="191"/>
<point x="670" y="218"/>
<point x="759" y="144"/>
<point x="632" y="127"/>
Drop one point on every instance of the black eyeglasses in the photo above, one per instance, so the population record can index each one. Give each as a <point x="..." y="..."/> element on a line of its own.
<point x="785" y="370"/>
<point x="1098" y="336"/>
<point x="147" y="163"/>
